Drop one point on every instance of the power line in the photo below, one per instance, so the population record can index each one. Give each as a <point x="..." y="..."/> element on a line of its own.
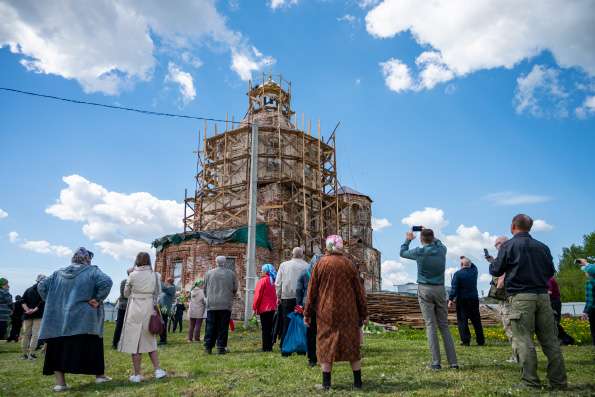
<point x="129" y="109"/>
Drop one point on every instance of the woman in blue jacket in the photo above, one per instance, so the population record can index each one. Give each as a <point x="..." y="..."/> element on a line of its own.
<point x="72" y="325"/>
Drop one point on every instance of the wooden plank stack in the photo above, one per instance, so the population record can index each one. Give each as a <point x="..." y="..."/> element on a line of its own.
<point x="390" y="308"/>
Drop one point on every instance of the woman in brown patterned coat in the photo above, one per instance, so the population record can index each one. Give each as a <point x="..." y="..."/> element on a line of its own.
<point x="337" y="298"/>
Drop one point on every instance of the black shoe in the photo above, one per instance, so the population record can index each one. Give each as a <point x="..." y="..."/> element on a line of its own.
<point x="208" y="350"/>
<point x="357" y="379"/>
<point x="312" y="364"/>
<point x="221" y="351"/>
<point x="162" y="343"/>
<point x="434" y="367"/>
<point x="24" y="357"/>
<point x="465" y="343"/>
<point x="285" y="354"/>
<point x="454" y="366"/>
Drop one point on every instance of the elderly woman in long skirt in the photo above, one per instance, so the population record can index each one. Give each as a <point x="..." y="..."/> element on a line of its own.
<point x="72" y="325"/>
<point x="337" y="298"/>
<point x="142" y="290"/>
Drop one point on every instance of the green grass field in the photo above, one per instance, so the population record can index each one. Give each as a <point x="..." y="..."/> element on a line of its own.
<point x="394" y="364"/>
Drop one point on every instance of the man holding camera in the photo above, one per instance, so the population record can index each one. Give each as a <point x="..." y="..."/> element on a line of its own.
<point x="431" y="263"/>
<point x="528" y="265"/>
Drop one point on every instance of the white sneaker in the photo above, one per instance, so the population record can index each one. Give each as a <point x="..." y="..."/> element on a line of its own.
<point x="136" y="379"/>
<point x="102" y="379"/>
<point x="60" y="388"/>
<point x="159" y="373"/>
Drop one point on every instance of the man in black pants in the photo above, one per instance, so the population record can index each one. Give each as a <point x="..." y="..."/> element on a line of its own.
<point x="464" y="293"/>
<point x="286" y="286"/>
<point x="122" y="303"/>
<point x="221" y="286"/>
<point x="16" y="320"/>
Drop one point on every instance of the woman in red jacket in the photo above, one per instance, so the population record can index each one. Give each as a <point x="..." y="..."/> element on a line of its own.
<point x="265" y="304"/>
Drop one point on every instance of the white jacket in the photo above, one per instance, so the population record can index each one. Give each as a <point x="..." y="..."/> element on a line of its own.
<point x="288" y="276"/>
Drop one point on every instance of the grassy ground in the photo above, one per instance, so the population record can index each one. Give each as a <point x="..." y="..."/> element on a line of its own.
<point x="394" y="364"/>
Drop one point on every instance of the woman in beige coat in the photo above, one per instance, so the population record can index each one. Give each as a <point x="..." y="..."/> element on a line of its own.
<point x="142" y="290"/>
<point x="197" y="311"/>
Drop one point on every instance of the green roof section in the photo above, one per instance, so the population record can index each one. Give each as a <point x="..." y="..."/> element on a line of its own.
<point x="232" y="235"/>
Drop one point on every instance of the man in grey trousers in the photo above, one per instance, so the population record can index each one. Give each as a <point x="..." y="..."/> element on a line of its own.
<point x="431" y="263"/>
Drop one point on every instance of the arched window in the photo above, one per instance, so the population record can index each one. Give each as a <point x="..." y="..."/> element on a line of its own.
<point x="177" y="273"/>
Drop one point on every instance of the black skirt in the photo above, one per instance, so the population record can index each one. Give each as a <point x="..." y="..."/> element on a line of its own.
<point x="77" y="354"/>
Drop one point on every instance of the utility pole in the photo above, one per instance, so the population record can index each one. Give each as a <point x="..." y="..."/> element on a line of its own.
<point x="251" y="246"/>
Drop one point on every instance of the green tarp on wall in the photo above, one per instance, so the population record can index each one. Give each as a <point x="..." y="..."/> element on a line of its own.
<point x="236" y="235"/>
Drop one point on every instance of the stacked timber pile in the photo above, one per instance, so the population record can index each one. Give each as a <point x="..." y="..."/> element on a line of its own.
<point x="391" y="308"/>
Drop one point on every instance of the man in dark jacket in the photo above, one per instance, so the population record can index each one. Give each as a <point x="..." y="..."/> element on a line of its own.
<point x="166" y="300"/>
<point x="528" y="265"/>
<point x="122" y="304"/>
<point x="33" y="306"/>
<point x="16" y="319"/>
<point x="464" y="293"/>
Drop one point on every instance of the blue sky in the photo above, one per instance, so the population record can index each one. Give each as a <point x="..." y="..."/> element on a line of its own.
<point x="487" y="123"/>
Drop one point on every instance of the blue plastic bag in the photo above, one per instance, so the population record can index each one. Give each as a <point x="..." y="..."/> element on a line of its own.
<point x="295" y="338"/>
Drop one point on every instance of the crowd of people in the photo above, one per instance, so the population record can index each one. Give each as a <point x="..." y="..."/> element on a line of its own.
<point x="65" y="312"/>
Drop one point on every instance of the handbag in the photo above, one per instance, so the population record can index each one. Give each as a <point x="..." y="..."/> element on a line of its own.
<point x="295" y="339"/>
<point x="156" y="324"/>
<point x="495" y="292"/>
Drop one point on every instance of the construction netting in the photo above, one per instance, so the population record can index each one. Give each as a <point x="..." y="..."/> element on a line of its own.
<point x="235" y="235"/>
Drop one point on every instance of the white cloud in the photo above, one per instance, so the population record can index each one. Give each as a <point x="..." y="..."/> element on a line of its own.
<point x="461" y="37"/>
<point x="485" y="278"/>
<point x="44" y="247"/>
<point x="350" y="19"/>
<point x="108" y="46"/>
<point x="587" y="108"/>
<point x="484" y="34"/>
<point x="380" y="223"/>
<point x="244" y="63"/>
<point x="184" y="80"/>
<point x="125" y="249"/>
<point x="512" y="198"/>
<point x="433" y="70"/>
<point x="367" y="3"/>
<point x="432" y="218"/>
<point x="396" y="75"/>
<point x="539" y="225"/>
<point x="190" y="59"/>
<point x="468" y="241"/>
<point x="3" y="214"/>
<point x="393" y="273"/>
<point x="275" y="4"/>
<point x="13" y="237"/>
<point x="120" y="223"/>
<point x="540" y="93"/>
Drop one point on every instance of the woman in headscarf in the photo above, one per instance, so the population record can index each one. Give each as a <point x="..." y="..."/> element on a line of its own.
<point x="197" y="310"/>
<point x="72" y="324"/>
<point x="142" y="290"/>
<point x="337" y="298"/>
<point x="265" y="304"/>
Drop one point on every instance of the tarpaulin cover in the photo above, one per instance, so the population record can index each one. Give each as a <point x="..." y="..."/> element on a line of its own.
<point x="235" y="235"/>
